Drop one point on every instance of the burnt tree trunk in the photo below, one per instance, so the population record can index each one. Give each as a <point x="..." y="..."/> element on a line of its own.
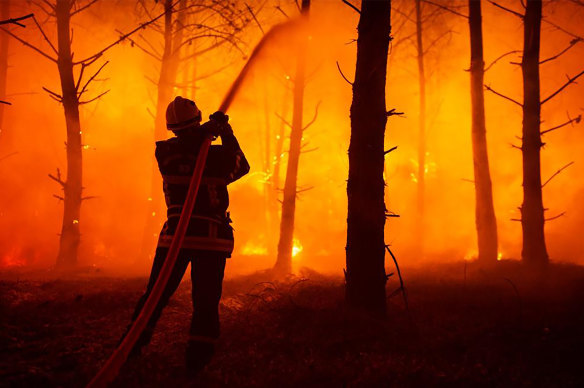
<point x="70" y="235"/>
<point x="486" y="222"/>
<point x="532" y="211"/>
<point x="285" y="244"/>
<point x="421" y="131"/>
<point x="165" y="93"/>
<point x="4" y="14"/>
<point x="365" y="273"/>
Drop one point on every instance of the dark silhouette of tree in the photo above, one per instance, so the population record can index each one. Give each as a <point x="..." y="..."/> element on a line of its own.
<point x="365" y="273"/>
<point x="285" y="245"/>
<point x="73" y="91"/>
<point x="534" y="251"/>
<point x="485" y="220"/>
<point x="532" y="212"/>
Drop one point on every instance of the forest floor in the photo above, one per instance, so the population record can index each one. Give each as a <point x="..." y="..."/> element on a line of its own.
<point x="465" y="327"/>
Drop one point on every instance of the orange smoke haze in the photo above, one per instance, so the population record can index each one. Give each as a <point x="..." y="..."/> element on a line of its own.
<point x="118" y="133"/>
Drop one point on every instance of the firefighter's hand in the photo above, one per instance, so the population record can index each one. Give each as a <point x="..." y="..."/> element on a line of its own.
<point x="219" y="117"/>
<point x="211" y="127"/>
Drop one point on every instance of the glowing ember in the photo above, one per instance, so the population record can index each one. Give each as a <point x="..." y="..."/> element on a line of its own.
<point x="75" y="221"/>
<point x="499" y="256"/>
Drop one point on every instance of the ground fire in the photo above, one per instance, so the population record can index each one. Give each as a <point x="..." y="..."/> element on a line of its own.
<point x="366" y="192"/>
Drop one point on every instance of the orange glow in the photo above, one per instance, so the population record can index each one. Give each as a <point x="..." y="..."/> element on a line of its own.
<point x="118" y="138"/>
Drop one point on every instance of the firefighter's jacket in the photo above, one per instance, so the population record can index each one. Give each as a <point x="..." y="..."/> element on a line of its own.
<point x="209" y="227"/>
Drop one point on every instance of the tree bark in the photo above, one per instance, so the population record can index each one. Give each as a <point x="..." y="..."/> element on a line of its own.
<point x="486" y="222"/>
<point x="532" y="211"/>
<point x="4" y="38"/>
<point x="365" y="273"/>
<point x="285" y="244"/>
<point x="421" y="131"/>
<point x="70" y="234"/>
<point x="166" y="83"/>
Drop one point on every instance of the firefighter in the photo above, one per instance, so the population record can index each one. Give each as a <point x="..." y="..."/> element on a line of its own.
<point x="209" y="238"/>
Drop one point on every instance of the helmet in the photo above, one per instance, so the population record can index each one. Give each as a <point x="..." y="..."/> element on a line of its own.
<point x="182" y="113"/>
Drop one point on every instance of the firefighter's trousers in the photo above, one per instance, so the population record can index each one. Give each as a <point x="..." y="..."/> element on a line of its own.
<point x="207" y="269"/>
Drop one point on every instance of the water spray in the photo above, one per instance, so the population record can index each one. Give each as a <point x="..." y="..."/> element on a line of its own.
<point x="112" y="366"/>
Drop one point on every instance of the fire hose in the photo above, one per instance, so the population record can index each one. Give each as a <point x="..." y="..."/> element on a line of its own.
<point x="112" y="366"/>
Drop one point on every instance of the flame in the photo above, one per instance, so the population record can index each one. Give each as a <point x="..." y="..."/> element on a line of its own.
<point x="296" y="247"/>
<point x="252" y="249"/>
<point x="500" y="256"/>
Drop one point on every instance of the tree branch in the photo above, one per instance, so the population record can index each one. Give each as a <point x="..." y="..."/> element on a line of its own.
<point x="352" y="6"/>
<point x="555" y="217"/>
<point x="557" y="173"/>
<point x="38" y="50"/>
<point x="446" y="9"/>
<point x="343" y="75"/>
<point x="123" y="37"/>
<point x="84" y="7"/>
<point x="573" y="42"/>
<point x="570" y="81"/>
<point x="95" y="98"/>
<point x="17" y="20"/>
<point x="570" y="121"/>
<point x="54" y="95"/>
<point x="79" y="94"/>
<point x="507" y="9"/>
<point x="283" y="119"/>
<point x="58" y="178"/>
<point x="313" y="118"/>
<point x="487" y="87"/>
<point x="501" y="57"/>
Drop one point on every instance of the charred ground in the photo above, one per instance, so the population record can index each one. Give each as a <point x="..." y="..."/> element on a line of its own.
<point x="466" y="327"/>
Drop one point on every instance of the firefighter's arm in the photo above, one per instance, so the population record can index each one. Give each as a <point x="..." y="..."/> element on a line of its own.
<point x="237" y="163"/>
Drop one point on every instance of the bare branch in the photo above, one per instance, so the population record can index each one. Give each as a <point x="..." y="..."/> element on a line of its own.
<point x="555" y="217"/>
<point x="282" y="11"/>
<point x="501" y="57"/>
<point x="148" y="52"/>
<point x="446" y="9"/>
<point x="313" y="118"/>
<point x="58" y="178"/>
<point x="563" y="29"/>
<point x="80" y="93"/>
<point x="506" y="9"/>
<point x="393" y="112"/>
<point x="557" y="173"/>
<point x="573" y="42"/>
<point x="283" y="119"/>
<point x="45" y="35"/>
<point x="5" y="102"/>
<point x="487" y="87"/>
<point x="54" y="95"/>
<point x="17" y="20"/>
<point x="89" y="197"/>
<point x="95" y="98"/>
<point x="123" y="37"/>
<point x="343" y="75"/>
<point x="253" y="15"/>
<point x="84" y="7"/>
<point x="38" y="50"/>
<point x="570" y="81"/>
<point x="389" y="150"/>
<point x="352" y="6"/>
<point x="58" y="197"/>
<point x="570" y="121"/>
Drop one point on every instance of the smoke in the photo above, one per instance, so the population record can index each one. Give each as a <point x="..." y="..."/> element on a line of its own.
<point x="118" y="134"/>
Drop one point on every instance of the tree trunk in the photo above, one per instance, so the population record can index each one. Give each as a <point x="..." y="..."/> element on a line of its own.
<point x="486" y="222"/>
<point x="421" y="227"/>
<point x="532" y="211"/>
<point x="285" y="245"/>
<point x="70" y="235"/>
<point x="166" y="84"/>
<point x="4" y="14"/>
<point x="365" y="274"/>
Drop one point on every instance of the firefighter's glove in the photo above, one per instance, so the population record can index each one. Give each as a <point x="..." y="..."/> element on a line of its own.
<point x="222" y="121"/>
<point x="211" y="127"/>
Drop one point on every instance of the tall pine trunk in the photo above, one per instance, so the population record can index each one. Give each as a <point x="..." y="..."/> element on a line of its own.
<point x="4" y="14"/>
<point x="70" y="235"/>
<point x="365" y="274"/>
<point x="166" y="84"/>
<point x="532" y="211"/>
<point x="285" y="244"/>
<point x="486" y="222"/>
<point x="421" y="227"/>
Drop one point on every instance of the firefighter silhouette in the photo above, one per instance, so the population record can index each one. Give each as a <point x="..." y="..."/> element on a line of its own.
<point x="209" y="237"/>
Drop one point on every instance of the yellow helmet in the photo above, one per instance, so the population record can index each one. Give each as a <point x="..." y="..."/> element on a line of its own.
<point x="182" y="113"/>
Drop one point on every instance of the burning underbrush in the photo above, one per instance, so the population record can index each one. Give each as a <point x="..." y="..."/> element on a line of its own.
<point x="466" y="326"/>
